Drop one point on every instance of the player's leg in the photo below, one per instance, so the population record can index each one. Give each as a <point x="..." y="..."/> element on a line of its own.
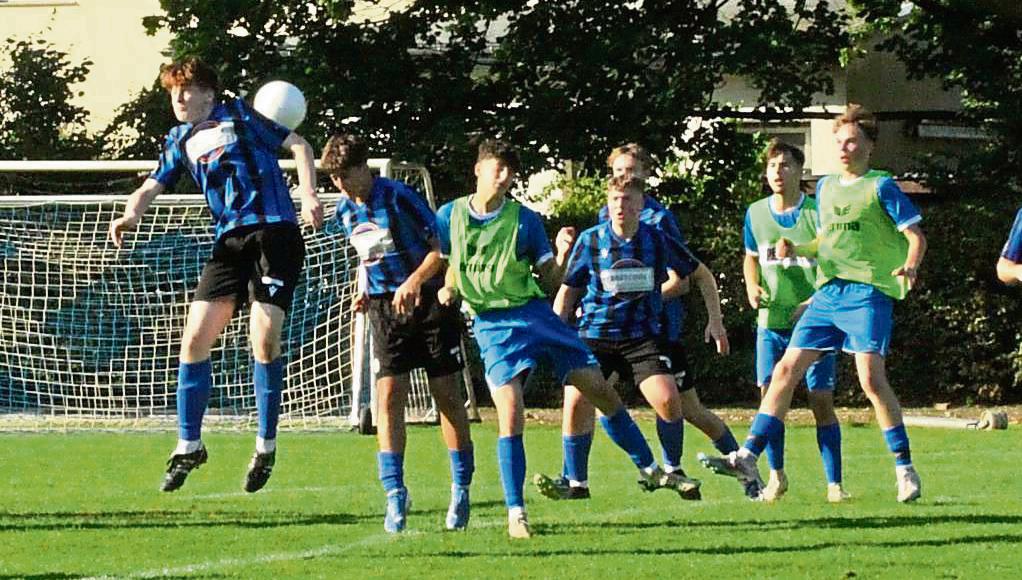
<point x="511" y="453"/>
<point x="658" y="387"/>
<point x="206" y="320"/>
<point x="770" y="347"/>
<point x="873" y="379"/>
<point x="278" y="256"/>
<point x="821" y="382"/>
<point x="577" y="425"/>
<point x="695" y="413"/>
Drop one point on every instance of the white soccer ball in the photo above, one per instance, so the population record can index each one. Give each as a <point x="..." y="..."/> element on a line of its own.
<point x="282" y="102"/>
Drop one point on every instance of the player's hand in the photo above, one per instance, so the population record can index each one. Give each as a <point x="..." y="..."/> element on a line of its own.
<point x="756" y="295"/>
<point x="121" y="225"/>
<point x="912" y="274"/>
<point x="359" y="303"/>
<point x="799" y="311"/>
<point x="407" y="297"/>
<point x="716" y="332"/>
<point x="447" y="295"/>
<point x="312" y="210"/>
<point x="564" y="241"/>
<point x="784" y="248"/>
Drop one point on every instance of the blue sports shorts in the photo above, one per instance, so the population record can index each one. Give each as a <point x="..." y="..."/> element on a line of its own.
<point x="770" y="347"/>
<point x="852" y="316"/>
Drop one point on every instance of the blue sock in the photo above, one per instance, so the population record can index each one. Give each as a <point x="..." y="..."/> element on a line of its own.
<point x="672" y="438"/>
<point x="511" y="460"/>
<point x="193" y="385"/>
<point x="576" y="456"/>
<point x="392" y="470"/>
<point x="463" y="465"/>
<point x="775" y="450"/>
<point x="269" y="381"/>
<point x="626" y="434"/>
<point x="828" y="438"/>
<point x="726" y="443"/>
<point x="897" y="442"/>
<point x="764" y="428"/>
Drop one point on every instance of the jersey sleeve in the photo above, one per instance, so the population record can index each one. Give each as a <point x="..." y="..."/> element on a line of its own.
<point x="576" y="275"/>
<point x="266" y="132"/>
<point x="414" y="206"/>
<point x="751" y="247"/>
<point x="533" y="245"/>
<point x="1013" y="248"/>
<point x="603" y="215"/>
<point x="897" y="205"/>
<point x="819" y="204"/>
<point x="170" y="167"/>
<point x="443" y="227"/>
<point x="342" y="216"/>
<point x="679" y="257"/>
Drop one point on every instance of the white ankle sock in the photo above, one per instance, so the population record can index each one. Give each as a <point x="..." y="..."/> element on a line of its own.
<point x="185" y="446"/>
<point x="265" y="445"/>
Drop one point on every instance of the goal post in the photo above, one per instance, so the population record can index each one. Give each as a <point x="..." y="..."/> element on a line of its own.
<point x="89" y="334"/>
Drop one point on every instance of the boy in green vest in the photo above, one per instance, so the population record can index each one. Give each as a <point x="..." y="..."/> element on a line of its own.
<point x="868" y="249"/>
<point x="780" y="289"/>
<point x="493" y="245"/>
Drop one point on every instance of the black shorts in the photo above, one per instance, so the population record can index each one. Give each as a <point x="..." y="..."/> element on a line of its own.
<point x="258" y="263"/>
<point x="630" y="361"/>
<point x="679" y="365"/>
<point x="430" y="338"/>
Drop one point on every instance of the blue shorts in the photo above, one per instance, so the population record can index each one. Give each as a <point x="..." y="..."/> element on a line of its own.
<point x="770" y="347"/>
<point x="515" y="340"/>
<point x="852" y="316"/>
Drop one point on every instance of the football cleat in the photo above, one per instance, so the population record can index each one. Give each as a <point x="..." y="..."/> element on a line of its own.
<point x="909" y="486"/>
<point x="776" y="486"/>
<point x="259" y="470"/>
<point x="518" y="526"/>
<point x="747" y="473"/>
<point x="836" y="493"/>
<point x="559" y="488"/>
<point x="458" y="511"/>
<point x="397" y="510"/>
<point x="180" y="465"/>
<point x="686" y="487"/>
<point x="718" y="465"/>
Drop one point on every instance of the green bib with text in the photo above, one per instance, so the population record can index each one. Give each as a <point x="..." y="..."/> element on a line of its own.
<point x="790" y="281"/>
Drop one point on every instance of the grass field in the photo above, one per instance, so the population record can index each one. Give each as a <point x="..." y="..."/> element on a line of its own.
<point x="86" y="504"/>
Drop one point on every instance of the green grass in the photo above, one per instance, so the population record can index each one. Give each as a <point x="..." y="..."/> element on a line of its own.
<point x="86" y="504"/>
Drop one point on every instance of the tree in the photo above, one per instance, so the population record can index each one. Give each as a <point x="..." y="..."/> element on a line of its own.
<point x="975" y="47"/>
<point x="38" y="119"/>
<point x="566" y="80"/>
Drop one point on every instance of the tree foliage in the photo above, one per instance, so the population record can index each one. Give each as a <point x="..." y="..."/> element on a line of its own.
<point x="975" y="47"/>
<point x="38" y="119"/>
<point x="565" y="80"/>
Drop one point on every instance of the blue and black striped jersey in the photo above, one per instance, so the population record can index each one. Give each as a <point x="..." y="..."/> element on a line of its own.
<point x="622" y="279"/>
<point x="232" y="156"/>
<point x="391" y="232"/>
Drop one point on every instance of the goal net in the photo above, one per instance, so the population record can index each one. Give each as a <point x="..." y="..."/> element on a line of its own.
<point x="89" y="334"/>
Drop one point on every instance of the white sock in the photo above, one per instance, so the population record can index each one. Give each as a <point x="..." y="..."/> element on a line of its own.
<point x="574" y="483"/>
<point x="515" y="513"/>
<point x="651" y="469"/>
<point x="185" y="446"/>
<point x="743" y="452"/>
<point x="265" y="445"/>
<point x="899" y="469"/>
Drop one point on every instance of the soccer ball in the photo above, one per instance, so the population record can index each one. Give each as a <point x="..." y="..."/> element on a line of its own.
<point x="281" y="102"/>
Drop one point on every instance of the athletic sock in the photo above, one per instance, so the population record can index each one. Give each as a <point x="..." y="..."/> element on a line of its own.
<point x="264" y="446"/>
<point x="511" y="461"/>
<point x="626" y="434"/>
<point x="463" y="465"/>
<point x="576" y="456"/>
<point x="184" y="446"/>
<point x="269" y="381"/>
<point x="672" y="437"/>
<point x="897" y="442"/>
<point x="828" y="438"/>
<point x="392" y="470"/>
<point x="193" y="386"/>
<point x="775" y="450"/>
<point x="764" y="428"/>
<point x="726" y="443"/>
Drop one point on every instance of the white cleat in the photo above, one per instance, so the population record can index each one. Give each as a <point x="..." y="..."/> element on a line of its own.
<point x="836" y="493"/>
<point x="747" y="473"/>
<point x="518" y="526"/>
<point x="776" y="486"/>
<point x="909" y="486"/>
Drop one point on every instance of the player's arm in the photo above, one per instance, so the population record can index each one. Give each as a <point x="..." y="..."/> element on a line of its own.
<point x="916" y="251"/>
<point x="715" y="330"/>
<point x="409" y="293"/>
<point x="138" y="202"/>
<point x="786" y="248"/>
<point x="305" y="160"/>
<point x="753" y="291"/>
<point x="565" y="302"/>
<point x="551" y="272"/>
<point x="675" y="286"/>
<point x="1009" y="272"/>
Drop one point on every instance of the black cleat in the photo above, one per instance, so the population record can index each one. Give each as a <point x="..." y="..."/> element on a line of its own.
<point x="180" y="465"/>
<point x="559" y="488"/>
<point x="259" y="471"/>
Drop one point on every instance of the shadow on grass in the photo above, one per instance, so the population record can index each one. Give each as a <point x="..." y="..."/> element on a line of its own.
<point x="830" y="522"/>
